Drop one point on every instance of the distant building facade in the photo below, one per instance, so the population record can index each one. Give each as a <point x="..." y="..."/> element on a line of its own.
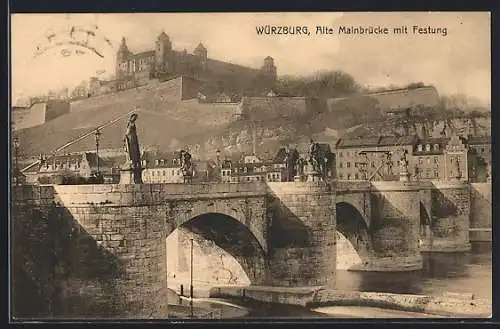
<point x="165" y="167"/>
<point x="83" y="165"/>
<point x="362" y="158"/>
<point x="161" y="167"/>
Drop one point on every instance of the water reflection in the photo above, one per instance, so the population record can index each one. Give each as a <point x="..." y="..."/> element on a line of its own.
<point x="469" y="272"/>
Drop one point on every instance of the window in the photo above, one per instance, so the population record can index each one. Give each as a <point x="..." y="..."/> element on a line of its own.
<point x="340" y="165"/>
<point x="420" y="160"/>
<point x="355" y="165"/>
<point x="164" y="172"/>
<point x="173" y="172"/>
<point x="436" y="160"/>
<point x="348" y="176"/>
<point x="436" y="173"/>
<point x="428" y="160"/>
<point x="348" y="165"/>
<point x="340" y="154"/>
<point x="152" y="173"/>
<point x="356" y="176"/>
<point x="341" y="176"/>
<point x="482" y="150"/>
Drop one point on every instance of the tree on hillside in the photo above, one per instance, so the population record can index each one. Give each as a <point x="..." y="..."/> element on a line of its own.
<point x="325" y="84"/>
<point x="350" y="112"/>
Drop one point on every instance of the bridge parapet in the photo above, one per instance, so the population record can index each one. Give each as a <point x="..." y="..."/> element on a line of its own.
<point x="351" y="186"/>
<point x="110" y="195"/>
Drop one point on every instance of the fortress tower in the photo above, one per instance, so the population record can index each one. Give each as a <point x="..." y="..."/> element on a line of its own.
<point x="200" y="53"/>
<point x="163" y="54"/>
<point x="268" y="69"/>
<point x="122" y="67"/>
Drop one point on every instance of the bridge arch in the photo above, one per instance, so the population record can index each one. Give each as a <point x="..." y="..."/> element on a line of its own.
<point x="234" y="227"/>
<point x="251" y="212"/>
<point x="357" y="202"/>
<point x="233" y="237"/>
<point x="352" y="225"/>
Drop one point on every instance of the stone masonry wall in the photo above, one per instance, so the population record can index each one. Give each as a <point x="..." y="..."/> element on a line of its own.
<point x="32" y="247"/>
<point x="310" y="208"/>
<point x="103" y="261"/>
<point x="481" y="212"/>
<point x="450" y="217"/>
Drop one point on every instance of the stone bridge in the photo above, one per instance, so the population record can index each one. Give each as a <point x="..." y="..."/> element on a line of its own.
<point x="104" y="246"/>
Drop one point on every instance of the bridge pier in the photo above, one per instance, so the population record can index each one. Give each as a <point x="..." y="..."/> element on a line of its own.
<point x="394" y="228"/>
<point x="302" y="237"/>
<point x="450" y="222"/>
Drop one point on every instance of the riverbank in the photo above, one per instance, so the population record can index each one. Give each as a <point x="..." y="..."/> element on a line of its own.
<point x="447" y="305"/>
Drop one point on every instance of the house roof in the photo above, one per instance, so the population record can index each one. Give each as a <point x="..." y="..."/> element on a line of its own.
<point x="376" y="141"/>
<point x="475" y="140"/>
<point x="167" y="157"/>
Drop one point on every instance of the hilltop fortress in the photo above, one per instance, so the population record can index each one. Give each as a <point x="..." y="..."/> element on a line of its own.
<point x="163" y="62"/>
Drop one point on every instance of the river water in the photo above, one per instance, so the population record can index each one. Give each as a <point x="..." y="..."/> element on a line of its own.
<point x="465" y="272"/>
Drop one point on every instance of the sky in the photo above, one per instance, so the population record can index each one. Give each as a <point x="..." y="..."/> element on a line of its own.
<point x="459" y="62"/>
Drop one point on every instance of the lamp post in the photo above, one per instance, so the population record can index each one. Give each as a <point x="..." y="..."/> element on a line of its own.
<point x="217" y="153"/>
<point x="191" y="281"/>
<point x="97" y="137"/>
<point x="325" y="167"/>
<point x="16" y="163"/>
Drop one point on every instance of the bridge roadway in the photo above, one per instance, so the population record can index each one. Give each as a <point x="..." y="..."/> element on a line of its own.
<point x="282" y="234"/>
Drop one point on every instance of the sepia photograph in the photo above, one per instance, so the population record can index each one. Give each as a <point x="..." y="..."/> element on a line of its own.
<point x="207" y="166"/>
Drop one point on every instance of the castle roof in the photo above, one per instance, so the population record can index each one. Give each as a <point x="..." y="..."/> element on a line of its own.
<point x="123" y="46"/>
<point x="163" y="36"/>
<point x="376" y="141"/>
<point x="200" y="47"/>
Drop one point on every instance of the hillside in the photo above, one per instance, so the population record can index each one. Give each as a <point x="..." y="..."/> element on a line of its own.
<point x="163" y="119"/>
<point x="168" y="122"/>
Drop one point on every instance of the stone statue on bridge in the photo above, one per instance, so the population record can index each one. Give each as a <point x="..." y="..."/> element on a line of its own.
<point x="314" y="156"/>
<point x="403" y="167"/>
<point x="186" y="166"/>
<point x="133" y="168"/>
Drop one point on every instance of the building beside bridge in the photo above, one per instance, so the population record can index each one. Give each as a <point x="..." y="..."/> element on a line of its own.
<point x="165" y="167"/>
<point x="428" y="158"/>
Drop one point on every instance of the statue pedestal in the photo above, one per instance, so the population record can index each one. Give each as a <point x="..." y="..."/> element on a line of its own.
<point x="127" y="175"/>
<point x="404" y="176"/>
<point x="313" y="176"/>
